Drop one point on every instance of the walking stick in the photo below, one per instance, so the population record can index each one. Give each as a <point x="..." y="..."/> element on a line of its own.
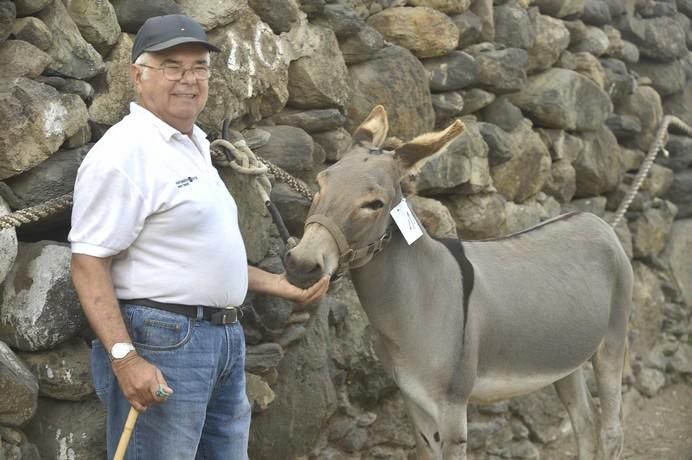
<point x="127" y="432"/>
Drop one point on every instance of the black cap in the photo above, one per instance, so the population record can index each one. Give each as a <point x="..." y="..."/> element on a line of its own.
<point x="163" y="32"/>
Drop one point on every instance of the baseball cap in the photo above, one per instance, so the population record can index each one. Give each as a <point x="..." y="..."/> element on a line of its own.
<point x="163" y="32"/>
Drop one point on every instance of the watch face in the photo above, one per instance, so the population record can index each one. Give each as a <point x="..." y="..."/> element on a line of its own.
<point x="120" y="350"/>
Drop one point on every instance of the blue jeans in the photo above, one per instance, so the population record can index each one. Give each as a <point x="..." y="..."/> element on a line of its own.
<point x="208" y="415"/>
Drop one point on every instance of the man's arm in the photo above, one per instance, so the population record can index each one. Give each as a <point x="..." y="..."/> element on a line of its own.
<point x="138" y="379"/>
<point x="264" y="282"/>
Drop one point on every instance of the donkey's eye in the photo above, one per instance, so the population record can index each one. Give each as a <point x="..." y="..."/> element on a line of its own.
<point x="373" y="205"/>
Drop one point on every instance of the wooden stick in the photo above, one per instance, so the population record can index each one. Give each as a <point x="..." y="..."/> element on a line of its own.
<point x="127" y="432"/>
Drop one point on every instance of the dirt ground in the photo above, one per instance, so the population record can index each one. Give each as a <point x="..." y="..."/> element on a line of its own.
<point x="659" y="428"/>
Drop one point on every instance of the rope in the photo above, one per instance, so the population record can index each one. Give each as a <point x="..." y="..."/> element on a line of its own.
<point x="648" y="162"/>
<point x="36" y="213"/>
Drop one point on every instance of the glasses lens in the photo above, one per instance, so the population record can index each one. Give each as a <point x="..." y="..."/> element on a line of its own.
<point x="176" y="73"/>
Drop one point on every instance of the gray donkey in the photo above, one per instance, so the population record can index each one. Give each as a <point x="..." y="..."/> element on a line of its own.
<point x="472" y="321"/>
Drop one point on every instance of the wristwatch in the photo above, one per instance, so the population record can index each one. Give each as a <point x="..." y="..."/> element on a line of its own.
<point x="120" y="350"/>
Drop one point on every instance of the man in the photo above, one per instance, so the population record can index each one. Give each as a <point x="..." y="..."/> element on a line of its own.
<point x="159" y="263"/>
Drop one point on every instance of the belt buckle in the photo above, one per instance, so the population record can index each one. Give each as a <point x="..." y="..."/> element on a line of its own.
<point x="226" y="316"/>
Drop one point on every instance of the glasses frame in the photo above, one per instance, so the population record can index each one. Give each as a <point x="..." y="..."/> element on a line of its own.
<point x="185" y="70"/>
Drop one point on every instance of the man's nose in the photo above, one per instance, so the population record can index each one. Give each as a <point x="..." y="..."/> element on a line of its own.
<point x="189" y="76"/>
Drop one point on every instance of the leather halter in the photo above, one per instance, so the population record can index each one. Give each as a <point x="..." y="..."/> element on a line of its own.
<point x="348" y="257"/>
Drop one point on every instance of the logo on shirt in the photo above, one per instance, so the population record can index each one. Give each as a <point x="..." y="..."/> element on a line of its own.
<point x="185" y="181"/>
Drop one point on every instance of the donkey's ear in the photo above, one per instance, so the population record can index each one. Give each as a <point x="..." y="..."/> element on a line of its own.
<point x="374" y="128"/>
<point x="427" y="144"/>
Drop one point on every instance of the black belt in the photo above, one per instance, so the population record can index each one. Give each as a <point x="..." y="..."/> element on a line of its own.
<point x="214" y="315"/>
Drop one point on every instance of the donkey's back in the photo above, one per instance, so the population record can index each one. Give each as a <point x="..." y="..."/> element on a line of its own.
<point x="543" y="302"/>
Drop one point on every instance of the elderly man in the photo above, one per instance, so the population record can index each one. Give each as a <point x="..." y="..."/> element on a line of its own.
<point x="160" y="266"/>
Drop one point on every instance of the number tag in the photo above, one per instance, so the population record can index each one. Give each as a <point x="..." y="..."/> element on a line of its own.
<point x="406" y="221"/>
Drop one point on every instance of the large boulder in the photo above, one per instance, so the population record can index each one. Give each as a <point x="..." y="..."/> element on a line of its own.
<point x="19" y="389"/>
<point x="39" y="307"/>
<point x="35" y="119"/>
<point x="382" y="80"/>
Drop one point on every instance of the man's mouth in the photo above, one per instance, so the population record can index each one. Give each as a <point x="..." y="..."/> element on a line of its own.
<point x="185" y="95"/>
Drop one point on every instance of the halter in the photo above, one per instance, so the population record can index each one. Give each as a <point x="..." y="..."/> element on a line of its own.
<point x="348" y="257"/>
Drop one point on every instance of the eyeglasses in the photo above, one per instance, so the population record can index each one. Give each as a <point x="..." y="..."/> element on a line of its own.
<point x="177" y="72"/>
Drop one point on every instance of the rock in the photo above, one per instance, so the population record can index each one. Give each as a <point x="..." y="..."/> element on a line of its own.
<point x="8" y="243"/>
<point x="66" y="429"/>
<point x="14" y="445"/>
<point x="281" y="16"/>
<point x="446" y="106"/>
<point x="213" y="14"/>
<point x="8" y="13"/>
<point x="469" y="26"/>
<point x="561" y="184"/>
<point x="36" y="119"/>
<point x="499" y="143"/>
<point x="292" y="206"/>
<point x="624" y="126"/>
<point x="40" y="308"/>
<point x="62" y="372"/>
<point x="513" y="26"/>
<point x="560" y="98"/>
<point x="595" y="205"/>
<point x="552" y="38"/>
<point x="423" y="31"/>
<point x="454" y="71"/>
<point x="461" y="166"/>
<point x="321" y="79"/>
<point x="647" y="314"/>
<point x="250" y="73"/>
<point x="392" y="72"/>
<point x="598" y="168"/>
<point x="543" y="414"/>
<point x="434" y="216"/>
<point x="503" y="113"/>
<point x="19" y="389"/>
<point x="113" y="90"/>
<point x="680" y="104"/>
<point x="680" y="153"/>
<point x="650" y="381"/>
<point x="72" y="55"/>
<point x="310" y="121"/>
<point x="677" y="254"/>
<point x="529" y="213"/>
<point x="484" y="10"/>
<point x="562" y="146"/>
<point x="619" y="82"/>
<point x="97" y="22"/>
<point x="361" y="46"/>
<point x="500" y="70"/>
<point x="260" y="358"/>
<point x="681" y="361"/>
<point x="50" y="179"/>
<point x="651" y="228"/>
<point x="132" y="13"/>
<point x="305" y="397"/>
<point x="560" y="8"/>
<point x="289" y="148"/>
<point x="659" y="39"/>
<point x="259" y="393"/>
<point x="446" y="6"/>
<point x="342" y="19"/>
<point x="594" y="41"/>
<point x="596" y="13"/>
<point x="585" y="64"/>
<point x="28" y="7"/>
<point x="475" y="99"/>
<point x="478" y="216"/>
<point x="32" y="30"/>
<point x="524" y="174"/>
<point x="644" y="104"/>
<point x="666" y="77"/>
<point x="335" y="143"/>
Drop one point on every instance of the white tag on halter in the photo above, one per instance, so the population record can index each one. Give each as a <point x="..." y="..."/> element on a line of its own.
<point x="406" y="221"/>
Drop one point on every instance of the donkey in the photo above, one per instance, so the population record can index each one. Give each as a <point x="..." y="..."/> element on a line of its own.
<point x="473" y="321"/>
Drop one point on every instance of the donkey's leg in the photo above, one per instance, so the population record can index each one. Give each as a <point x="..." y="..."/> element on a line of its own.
<point x="425" y="431"/>
<point x="453" y="430"/>
<point x="608" y="365"/>
<point x="575" y="396"/>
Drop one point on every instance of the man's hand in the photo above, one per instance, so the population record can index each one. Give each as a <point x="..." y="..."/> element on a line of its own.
<point x="140" y="381"/>
<point x="302" y="296"/>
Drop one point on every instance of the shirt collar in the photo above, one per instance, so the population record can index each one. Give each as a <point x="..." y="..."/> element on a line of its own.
<point x="166" y="130"/>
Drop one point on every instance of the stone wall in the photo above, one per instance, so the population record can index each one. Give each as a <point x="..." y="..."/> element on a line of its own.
<point x="561" y="100"/>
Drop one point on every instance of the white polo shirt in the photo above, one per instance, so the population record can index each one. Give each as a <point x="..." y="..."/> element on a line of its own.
<point x="148" y="196"/>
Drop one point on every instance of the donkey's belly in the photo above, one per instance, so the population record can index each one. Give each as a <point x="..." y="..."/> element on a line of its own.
<point x="498" y="387"/>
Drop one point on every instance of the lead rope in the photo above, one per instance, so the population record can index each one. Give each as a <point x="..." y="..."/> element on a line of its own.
<point x="648" y="162"/>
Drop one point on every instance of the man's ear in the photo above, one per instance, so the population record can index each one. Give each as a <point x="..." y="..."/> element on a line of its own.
<point x="374" y="128"/>
<point x="136" y="73"/>
<point x="426" y="144"/>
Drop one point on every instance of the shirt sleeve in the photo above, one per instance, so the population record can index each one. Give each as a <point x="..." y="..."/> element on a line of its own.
<point x="108" y="211"/>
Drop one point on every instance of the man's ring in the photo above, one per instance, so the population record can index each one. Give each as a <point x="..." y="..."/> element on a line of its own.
<point x="161" y="393"/>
